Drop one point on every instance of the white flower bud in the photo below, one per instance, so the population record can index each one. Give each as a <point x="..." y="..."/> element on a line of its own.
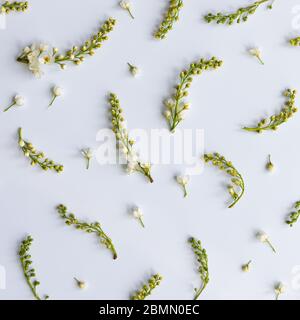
<point x="168" y="114"/>
<point x="137" y="213"/>
<point x="182" y="180"/>
<point x="43" y="47"/>
<point x="19" y="101"/>
<point x="262" y="237"/>
<point x="57" y="91"/>
<point x="125" y="4"/>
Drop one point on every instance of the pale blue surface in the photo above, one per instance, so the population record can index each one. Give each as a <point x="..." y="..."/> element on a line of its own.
<point x="222" y="102"/>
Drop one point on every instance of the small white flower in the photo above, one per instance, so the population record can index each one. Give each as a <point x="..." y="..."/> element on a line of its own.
<point x="43" y="47"/>
<point x="56" y="92"/>
<point x="130" y="167"/>
<point x="33" y="57"/>
<point x="169" y="103"/>
<point x="138" y="214"/>
<point x="88" y="155"/>
<point x="46" y="59"/>
<point x="168" y="114"/>
<point x="126" y="5"/>
<point x="279" y="289"/>
<point x="18" y="101"/>
<point x="183" y="181"/>
<point x="133" y="69"/>
<point x="255" y="52"/>
<point x="264" y="238"/>
<point x="26" y="50"/>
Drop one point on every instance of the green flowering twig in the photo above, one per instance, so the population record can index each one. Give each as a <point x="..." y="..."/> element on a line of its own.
<point x="125" y="144"/>
<point x="237" y="188"/>
<point x="276" y="120"/>
<point x="171" y="16"/>
<point x="36" y="157"/>
<point x="26" y="262"/>
<point x="147" y="289"/>
<point x="95" y="228"/>
<point x="295" y="42"/>
<point x="34" y="56"/>
<point x="294" y="216"/>
<point x="175" y="106"/>
<point x="16" y="6"/>
<point x="202" y="259"/>
<point x="241" y="15"/>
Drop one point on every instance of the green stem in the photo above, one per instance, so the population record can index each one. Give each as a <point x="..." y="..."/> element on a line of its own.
<point x="239" y="197"/>
<point x="146" y="173"/>
<point x="260" y="60"/>
<point x="30" y="284"/>
<point x="141" y="222"/>
<point x="131" y="15"/>
<point x="13" y="104"/>
<point x="242" y="187"/>
<point x="176" y="112"/>
<point x="185" y="191"/>
<point x="271" y="246"/>
<point x="53" y="99"/>
<point x="251" y="129"/>
<point x="199" y="291"/>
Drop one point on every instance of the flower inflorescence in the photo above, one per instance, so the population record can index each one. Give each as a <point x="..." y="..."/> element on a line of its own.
<point x="171" y="16"/>
<point x="276" y="120"/>
<point x="95" y="228"/>
<point x="294" y="216"/>
<point x="18" y="6"/>
<point x="202" y="259"/>
<point x="147" y="289"/>
<point x="240" y="15"/>
<point x="125" y="144"/>
<point x="237" y="187"/>
<point x="29" y="272"/>
<point x="176" y="106"/>
<point x="36" y="56"/>
<point x="36" y="157"/>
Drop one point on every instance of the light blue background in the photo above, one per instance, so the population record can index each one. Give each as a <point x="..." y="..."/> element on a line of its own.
<point x="238" y="94"/>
